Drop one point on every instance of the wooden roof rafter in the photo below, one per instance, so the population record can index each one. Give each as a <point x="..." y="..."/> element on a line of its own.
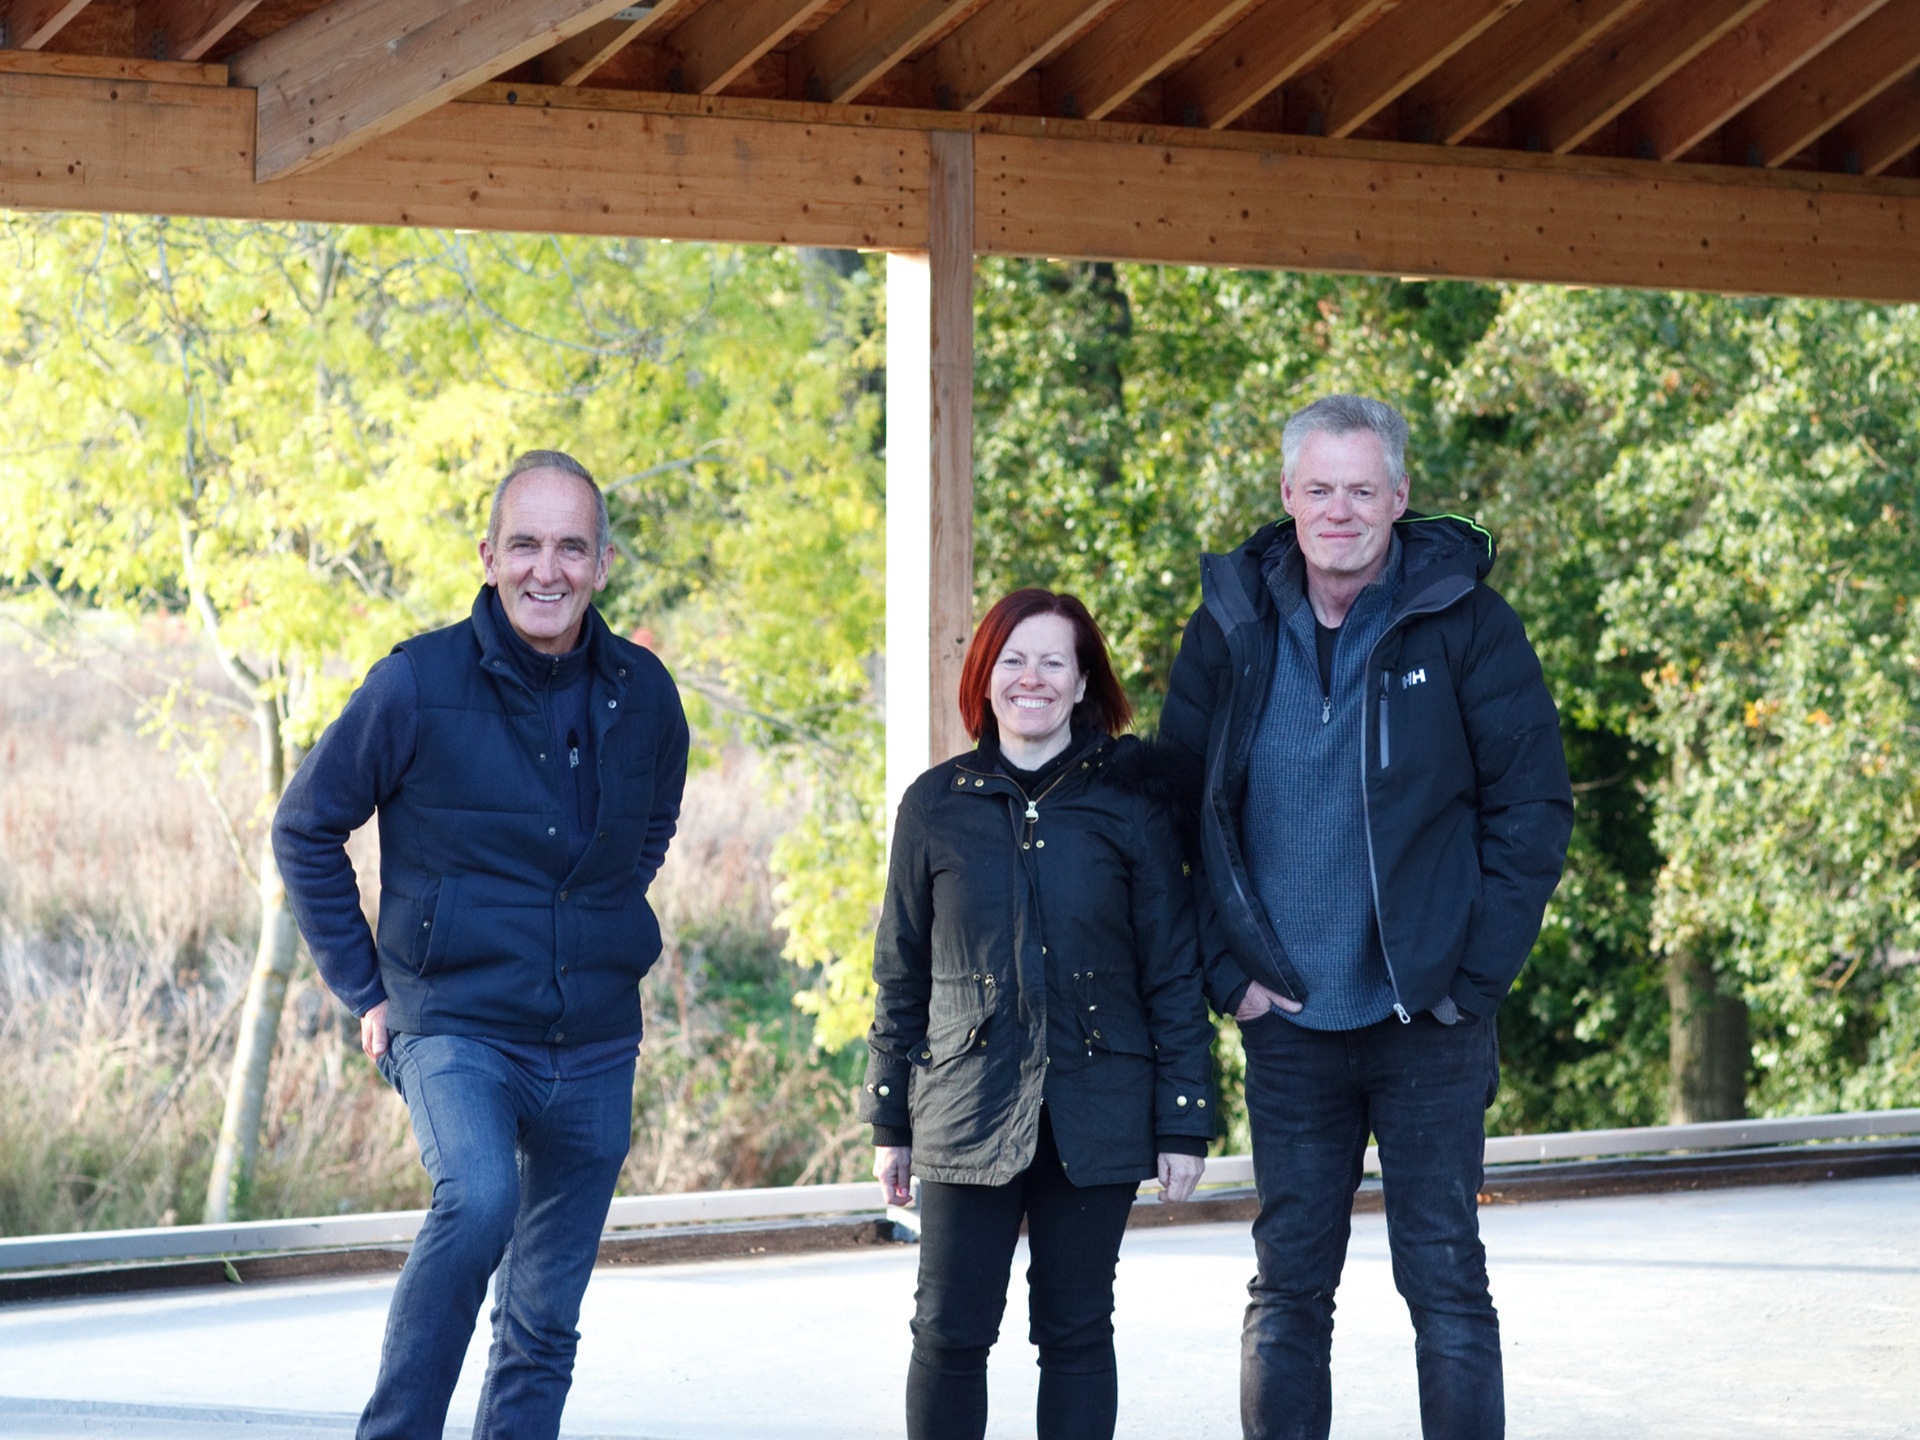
<point x="1870" y="58"/>
<point x="1734" y="72"/>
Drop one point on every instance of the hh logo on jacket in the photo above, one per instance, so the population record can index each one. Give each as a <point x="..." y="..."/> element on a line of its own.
<point x="1413" y="677"/>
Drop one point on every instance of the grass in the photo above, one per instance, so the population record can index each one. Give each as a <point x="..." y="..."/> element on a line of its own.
<point x="126" y="933"/>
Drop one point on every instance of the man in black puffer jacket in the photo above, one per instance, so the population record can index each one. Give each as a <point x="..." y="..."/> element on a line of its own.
<point x="526" y="765"/>
<point x="1384" y="816"/>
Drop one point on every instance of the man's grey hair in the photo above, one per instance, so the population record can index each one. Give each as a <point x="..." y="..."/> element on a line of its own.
<point x="566" y="465"/>
<point x="1343" y="415"/>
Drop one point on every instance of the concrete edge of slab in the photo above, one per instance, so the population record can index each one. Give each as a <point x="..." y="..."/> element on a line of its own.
<point x="1505" y="1184"/>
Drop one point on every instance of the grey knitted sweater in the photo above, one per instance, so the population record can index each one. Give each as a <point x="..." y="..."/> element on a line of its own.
<point x="1304" y="823"/>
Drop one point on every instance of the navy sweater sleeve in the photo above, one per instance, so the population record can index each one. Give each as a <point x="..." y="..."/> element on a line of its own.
<point x="356" y="765"/>
<point x="669" y="779"/>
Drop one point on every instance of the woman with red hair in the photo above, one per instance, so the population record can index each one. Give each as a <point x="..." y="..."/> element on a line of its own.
<point x="1040" y="1042"/>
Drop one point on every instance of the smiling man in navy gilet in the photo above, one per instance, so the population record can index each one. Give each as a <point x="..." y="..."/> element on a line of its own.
<point x="526" y="765"/>
<point x="1386" y="813"/>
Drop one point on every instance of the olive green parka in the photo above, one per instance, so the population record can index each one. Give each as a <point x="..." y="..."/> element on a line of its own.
<point x="1041" y="951"/>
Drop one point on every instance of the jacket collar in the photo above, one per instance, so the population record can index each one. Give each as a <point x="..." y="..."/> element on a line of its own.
<point x="1442" y="558"/>
<point x="504" y="653"/>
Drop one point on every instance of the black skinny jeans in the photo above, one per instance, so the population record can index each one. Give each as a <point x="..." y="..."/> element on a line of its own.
<point x="967" y="1237"/>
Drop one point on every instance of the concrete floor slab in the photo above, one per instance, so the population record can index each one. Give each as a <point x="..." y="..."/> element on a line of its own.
<point x="1782" y="1312"/>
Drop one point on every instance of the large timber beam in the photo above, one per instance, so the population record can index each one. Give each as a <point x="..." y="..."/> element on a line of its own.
<point x="930" y="472"/>
<point x="562" y="160"/>
<point x="356" y="69"/>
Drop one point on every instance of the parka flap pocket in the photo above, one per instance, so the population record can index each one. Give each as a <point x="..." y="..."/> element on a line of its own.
<point x="952" y="1038"/>
<point x="1121" y="1035"/>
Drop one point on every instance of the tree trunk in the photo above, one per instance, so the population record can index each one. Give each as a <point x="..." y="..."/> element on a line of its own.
<point x="1707" y="1044"/>
<point x="230" y="1184"/>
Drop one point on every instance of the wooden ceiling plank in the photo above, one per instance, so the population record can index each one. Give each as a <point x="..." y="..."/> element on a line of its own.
<point x="999" y="44"/>
<point x="186" y="29"/>
<point x="350" y="72"/>
<point x="1879" y="133"/>
<point x="1097" y="74"/>
<point x="1361" y="79"/>
<point x="572" y="61"/>
<point x="1870" y="58"/>
<point x="1519" y="52"/>
<point x="1257" y="57"/>
<point x="1734" y="72"/>
<point x="865" y="40"/>
<point x="30" y="24"/>
<point x="1570" y="108"/>
<point x="719" y="42"/>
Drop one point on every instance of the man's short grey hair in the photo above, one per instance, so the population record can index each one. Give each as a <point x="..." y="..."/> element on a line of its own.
<point x="566" y="465"/>
<point x="1343" y="415"/>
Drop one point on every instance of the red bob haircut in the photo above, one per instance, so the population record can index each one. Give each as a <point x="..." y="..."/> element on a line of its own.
<point x="1105" y="708"/>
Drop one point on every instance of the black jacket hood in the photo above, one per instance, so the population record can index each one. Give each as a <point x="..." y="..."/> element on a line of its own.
<point x="1443" y="556"/>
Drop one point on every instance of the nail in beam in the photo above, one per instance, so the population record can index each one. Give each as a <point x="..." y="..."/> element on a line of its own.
<point x="930" y="474"/>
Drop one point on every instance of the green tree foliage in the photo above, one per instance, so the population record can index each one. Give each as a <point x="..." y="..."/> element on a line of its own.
<point x="292" y="431"/>
<point x="1723" y="492"/>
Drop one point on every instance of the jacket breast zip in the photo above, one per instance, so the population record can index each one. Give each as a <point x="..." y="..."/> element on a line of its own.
<point x="1366" y="804"/>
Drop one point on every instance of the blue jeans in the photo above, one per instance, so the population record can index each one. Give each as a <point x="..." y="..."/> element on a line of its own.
<point x="523" y="1168"/>
<point x="1421" y="1090"/>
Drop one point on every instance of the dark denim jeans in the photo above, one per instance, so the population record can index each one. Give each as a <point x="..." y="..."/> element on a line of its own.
<point x="1422" y="1090"/>
<point x="967" y="1235"/>
<point x="523" y="1168"/>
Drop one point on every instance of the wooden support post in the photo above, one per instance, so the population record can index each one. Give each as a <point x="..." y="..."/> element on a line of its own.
<point x="930" y="473"/>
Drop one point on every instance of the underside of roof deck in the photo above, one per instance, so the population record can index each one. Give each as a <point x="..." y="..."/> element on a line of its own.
<point x="1743" y="145"/>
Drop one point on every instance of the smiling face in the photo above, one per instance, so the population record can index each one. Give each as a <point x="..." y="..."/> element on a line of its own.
<point x="1036" y="683"/>
<point x="543" y="559"/>
<point x="1344" y="504"/>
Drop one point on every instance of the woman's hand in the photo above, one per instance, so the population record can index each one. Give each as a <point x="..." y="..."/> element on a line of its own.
<point x="893" y="1168"/>
<point x="1178" y="1175"/>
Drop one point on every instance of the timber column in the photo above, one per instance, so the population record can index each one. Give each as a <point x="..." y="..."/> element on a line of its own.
<point x="930" y="473"/>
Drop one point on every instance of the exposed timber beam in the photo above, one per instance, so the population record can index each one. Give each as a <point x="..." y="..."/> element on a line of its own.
<point x="572" y="61"/>
<point x="1879" y="132"/>
<point x="352" y="71"/>
<point x="1734" y="72"/>
<point x="996" y="47"/>
<point x="1570" y="108"/>
<point x="1257" y="57"/>
<point x="185" y="29"/>
<point x="30" y="24"/>
<point x="775" y="172"/>
<point x="719" y="42"/>
<point x="109" y="67"/>
<point x="862" y="42"/>
<point x="1407" y="45"/>
<point x="1526" y="47"/>
<point x="930" y="472"/>
<point x="1343" y="206"/>
<point x="1870" y="58"/>
<point x="1097" y="74"/>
